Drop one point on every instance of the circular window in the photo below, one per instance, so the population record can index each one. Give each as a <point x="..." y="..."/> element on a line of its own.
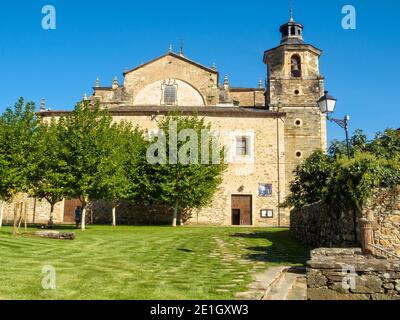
<point x="298" y="122"/>
<point x="296" y="92"/>
<point x="299" y="154"/>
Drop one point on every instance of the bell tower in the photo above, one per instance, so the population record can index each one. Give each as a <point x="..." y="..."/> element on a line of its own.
<point x="294" y="85"/>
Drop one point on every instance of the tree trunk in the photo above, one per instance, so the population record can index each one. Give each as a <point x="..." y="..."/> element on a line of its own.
<point x="83" y="222"/>
<point x="15" y="218"/>
<point x="20" y="216"/>
<point x="25" y="219"/>
<point x="50" y="224"/>
<point x="175" y="217"/>
<point x="114" y="216"/>
<point x="1" y="213"/>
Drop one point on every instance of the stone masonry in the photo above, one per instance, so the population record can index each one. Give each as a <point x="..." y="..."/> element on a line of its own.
<point x="320" y="226"/>
<point x="345" y="274"/>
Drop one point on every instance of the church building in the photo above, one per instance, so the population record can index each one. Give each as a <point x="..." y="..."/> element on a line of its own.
<point x="269" y="130"/>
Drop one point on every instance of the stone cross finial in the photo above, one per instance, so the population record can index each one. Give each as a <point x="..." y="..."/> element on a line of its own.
<point x="170" y="48"/>
<point x="260" y="84"/>
<point x="97" y="82"/>
<point x="214" y="67"/>
<point x="85" y="97"/>
<point x="115" y="84"/>
<point x="181" y="49"/>
<point x="42" y="105"/>
<point x="291" y="11"/>
<point x="226" y="82"/>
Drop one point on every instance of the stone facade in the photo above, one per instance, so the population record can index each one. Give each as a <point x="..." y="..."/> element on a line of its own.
<point x="320" y="226"/>
<point x="36" y="211"/>
<point x="281" y="123"/>
<point x="345" y="274"/>
<point x="297" y="96"/>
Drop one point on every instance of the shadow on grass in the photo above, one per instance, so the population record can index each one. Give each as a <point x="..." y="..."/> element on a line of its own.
<point x="280" y="248"/>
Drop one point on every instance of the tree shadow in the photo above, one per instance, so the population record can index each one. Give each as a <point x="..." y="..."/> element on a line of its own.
<point x="279" y="248"/>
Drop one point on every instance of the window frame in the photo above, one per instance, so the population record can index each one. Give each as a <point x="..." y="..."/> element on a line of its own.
<point x="247" y="141"/>
<point x="165" y="87"/>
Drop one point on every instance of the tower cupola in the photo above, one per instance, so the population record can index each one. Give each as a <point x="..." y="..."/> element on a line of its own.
<point x="292" y="31"/>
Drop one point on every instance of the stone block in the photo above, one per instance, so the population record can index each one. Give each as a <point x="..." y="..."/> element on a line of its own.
<point x="380" y="296"/>
<point x="327" y="294"/>
<point x="397" y="285"/>
<point x="315" y="279"/>
<point x="368" y="284"/>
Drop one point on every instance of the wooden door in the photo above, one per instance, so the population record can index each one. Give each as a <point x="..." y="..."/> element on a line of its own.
<point x="69" y="210"/>
<point x="241" y="205"/>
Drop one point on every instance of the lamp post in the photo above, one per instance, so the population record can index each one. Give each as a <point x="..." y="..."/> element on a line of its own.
<point x="327" y="105"/>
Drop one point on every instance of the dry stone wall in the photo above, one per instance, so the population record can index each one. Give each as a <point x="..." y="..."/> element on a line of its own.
<point x="345" y="274"/>
<point x="320" y="226"/>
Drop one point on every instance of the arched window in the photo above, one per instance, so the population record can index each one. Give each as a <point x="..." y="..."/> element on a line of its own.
<point x="296" y="66"/>
<point x="170" y="94"/>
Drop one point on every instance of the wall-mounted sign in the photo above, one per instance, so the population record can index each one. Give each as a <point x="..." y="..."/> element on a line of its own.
<point x="265" y="190"/>
<point x="267" y="213"/>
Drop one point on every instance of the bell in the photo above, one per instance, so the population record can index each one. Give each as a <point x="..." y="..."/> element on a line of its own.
<point x="295" y="66"/>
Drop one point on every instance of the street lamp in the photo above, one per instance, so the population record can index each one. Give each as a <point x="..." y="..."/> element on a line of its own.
<point x="327" y="106"/>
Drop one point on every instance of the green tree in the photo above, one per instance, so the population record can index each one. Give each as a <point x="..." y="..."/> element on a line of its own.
<point x="52" y="175"/>
<point x="3" y="173"/>
<point x="310" y="181"/>
<point x="358" y="142"/>
<point x="348" y="183"/>
<point x="86" y="139"/>
<point x="179" y="179"/>
<point x="386" y="144"/>
<point x="120" y="169"/>
<point x="19" y="127"/>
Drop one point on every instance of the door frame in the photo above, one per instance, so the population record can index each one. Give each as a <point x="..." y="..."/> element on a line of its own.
<point x="251" y="207"/>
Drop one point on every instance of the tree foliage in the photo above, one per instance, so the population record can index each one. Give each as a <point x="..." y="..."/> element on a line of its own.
<point x="348" y="183"/>
<point x="18" y="147"/>
<point x="188" y="183"/>
<point x="52" y="175"/>
<point x="85" y="156"/>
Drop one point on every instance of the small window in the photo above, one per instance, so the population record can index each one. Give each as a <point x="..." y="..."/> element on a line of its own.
<point x="169" y="94"/>
<point x="242" y="146"/>
<point x="296" y="66"/>
<point x="299" y="154"/>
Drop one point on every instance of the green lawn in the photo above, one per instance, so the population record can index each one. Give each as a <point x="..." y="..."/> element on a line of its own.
<point x="143" y="262"/>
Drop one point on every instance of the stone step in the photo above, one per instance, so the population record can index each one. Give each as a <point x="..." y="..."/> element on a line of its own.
<point x="290" y="285"/>
<point x="281" y="288"/>
<point x="299" y="290"/>
<point x="262" y="283"/>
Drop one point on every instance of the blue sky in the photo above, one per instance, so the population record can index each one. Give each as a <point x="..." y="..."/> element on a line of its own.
<point x="102" y="38"/>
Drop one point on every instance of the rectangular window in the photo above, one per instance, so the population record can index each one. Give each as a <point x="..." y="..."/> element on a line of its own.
<point x="169" y="94"/>
<point x="242" y="146"/>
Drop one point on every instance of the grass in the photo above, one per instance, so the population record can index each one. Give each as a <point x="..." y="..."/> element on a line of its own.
<point x="143" y="262"/>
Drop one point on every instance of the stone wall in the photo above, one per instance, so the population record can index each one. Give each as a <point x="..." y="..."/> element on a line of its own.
<point x="320" y="226"/>
<point x="317" y="225"/>
<point x="129" y="214"/>
<point x="36" y="211"/>
<point x="384" y="210"/>
<point x="345" y="274"/>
